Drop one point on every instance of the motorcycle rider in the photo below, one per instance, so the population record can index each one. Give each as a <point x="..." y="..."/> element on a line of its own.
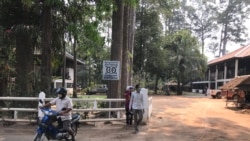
<point x="63" y="102"/>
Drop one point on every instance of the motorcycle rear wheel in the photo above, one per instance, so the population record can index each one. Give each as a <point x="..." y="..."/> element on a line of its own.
<point x="74" y="128"/>
<point x="68" y="138"/>
<point x="39" y="137"/>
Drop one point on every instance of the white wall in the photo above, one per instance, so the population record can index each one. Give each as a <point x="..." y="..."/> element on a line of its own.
<point x="147" y="106"/>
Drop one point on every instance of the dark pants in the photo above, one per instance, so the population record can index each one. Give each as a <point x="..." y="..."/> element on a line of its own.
<point x="129" y="117"/>
<point x="137" y="112"/>
<point x="66" y="126"/>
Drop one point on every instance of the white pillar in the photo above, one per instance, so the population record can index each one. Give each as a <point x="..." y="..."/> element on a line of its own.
<point x="236" y="67"/>
<point x="15" y="115"/>
<point x="42" y="98"/>
<point x="146" y="106"/>
<point x="95" y="105"/>
<point x="225" y="73"/>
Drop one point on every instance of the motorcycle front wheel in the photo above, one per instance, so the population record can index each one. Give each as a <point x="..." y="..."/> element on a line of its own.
<point x="68" y="138"/>
<point x="39" y="137"/>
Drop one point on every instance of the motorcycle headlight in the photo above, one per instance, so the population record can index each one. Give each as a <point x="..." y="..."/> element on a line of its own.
<point x="48" y="113"/>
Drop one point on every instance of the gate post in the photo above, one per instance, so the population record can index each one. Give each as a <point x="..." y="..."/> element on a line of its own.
<point x="42" y="98"/>
<point x="146" y="105"/>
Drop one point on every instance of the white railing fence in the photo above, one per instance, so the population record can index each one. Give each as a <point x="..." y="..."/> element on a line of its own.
<point x="92" y="108"/>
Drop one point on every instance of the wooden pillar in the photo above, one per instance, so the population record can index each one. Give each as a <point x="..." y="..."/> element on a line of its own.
<point x="225" y="73"/>
<point x="236" y="67"/>
<point x="216" y="77"/>
<point x="209" y="78"/>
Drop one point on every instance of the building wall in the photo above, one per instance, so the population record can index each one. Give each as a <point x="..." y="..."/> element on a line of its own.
<point x="220" y="73"/>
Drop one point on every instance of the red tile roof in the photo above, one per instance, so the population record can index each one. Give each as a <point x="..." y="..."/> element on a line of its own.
<point x="238" y="53"/>
<point x="237" y="81"/>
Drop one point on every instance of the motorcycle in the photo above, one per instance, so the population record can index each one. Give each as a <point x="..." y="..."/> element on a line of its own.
<point x="50" y="128"/>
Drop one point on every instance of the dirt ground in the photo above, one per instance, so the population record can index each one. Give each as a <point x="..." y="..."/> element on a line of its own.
<point x="174" y="118"/>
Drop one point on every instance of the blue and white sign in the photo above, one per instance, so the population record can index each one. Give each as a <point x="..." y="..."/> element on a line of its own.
<point x="111" y="70"/>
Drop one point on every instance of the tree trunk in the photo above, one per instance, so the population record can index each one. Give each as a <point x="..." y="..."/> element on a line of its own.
<point x="124" y="74"/>
<point x="221" y="40"/>
<point x="132" y="17"/>
<point x="156" y="83"/>
<point x="75" y="68"/>
<point x="178" y="91"/>
<point x="224" y="40"/>
<point x="3" y="88"/>
<point x="202" y="41"/>
<point x="116" y="47"/>
<point x="46" y="49"/>
<point x="24" y="62"/>
<point x="178" y="88"/>
<point x="64" y="64"/>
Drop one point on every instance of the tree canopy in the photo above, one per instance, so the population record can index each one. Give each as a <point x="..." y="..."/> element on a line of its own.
<point x="154" y="40"/>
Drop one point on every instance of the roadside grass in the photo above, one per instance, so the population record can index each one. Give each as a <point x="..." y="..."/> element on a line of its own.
<point x="89" y="104"/>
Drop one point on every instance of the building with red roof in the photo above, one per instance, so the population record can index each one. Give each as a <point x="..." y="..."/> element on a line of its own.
<point x="227" y="67"/>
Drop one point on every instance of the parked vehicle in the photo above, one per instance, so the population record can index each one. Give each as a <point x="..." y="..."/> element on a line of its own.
<point x="57" y="83"/>
<point x="99" y="88"/>
<point x="49" y="127"/>
<point x="233" y="94"/>
<point x="215" y="93"/>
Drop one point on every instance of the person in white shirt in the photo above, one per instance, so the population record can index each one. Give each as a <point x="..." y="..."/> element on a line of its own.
<point x="64" y="106"/>
<point x="137" y="105"/>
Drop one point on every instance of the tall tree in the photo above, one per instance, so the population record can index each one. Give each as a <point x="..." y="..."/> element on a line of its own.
<point x="231" y="17"/>
<point x="116" y="46"/>
<point x="201" y="18"/>
<point x="147" y="36"/>
<point x="173" y="15"/>
<point x="124" y="67"/>
<point x="185" y="55"/>
<point x="93" y="21"/>
<point x="7" y="60"/>
<point x="46" y="40"/>
<point x="21" y="18"/>
<point x="131" y="37"/>
<point x="128" y="39"/>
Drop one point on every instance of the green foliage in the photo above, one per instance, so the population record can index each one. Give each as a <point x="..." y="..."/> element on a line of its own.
<point x="185" y="55"/>
<point x="148" y="35"/>
<point x="150" y="58"/>
<point x="166" y="8"/>
<point x="78" y="18"/>
<point x="7" y="55"/>
<point x="231" y="16"/>
<point x="87" y="23"/>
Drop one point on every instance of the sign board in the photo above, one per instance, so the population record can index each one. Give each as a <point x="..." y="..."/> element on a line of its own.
<point x="111" y="70"/>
